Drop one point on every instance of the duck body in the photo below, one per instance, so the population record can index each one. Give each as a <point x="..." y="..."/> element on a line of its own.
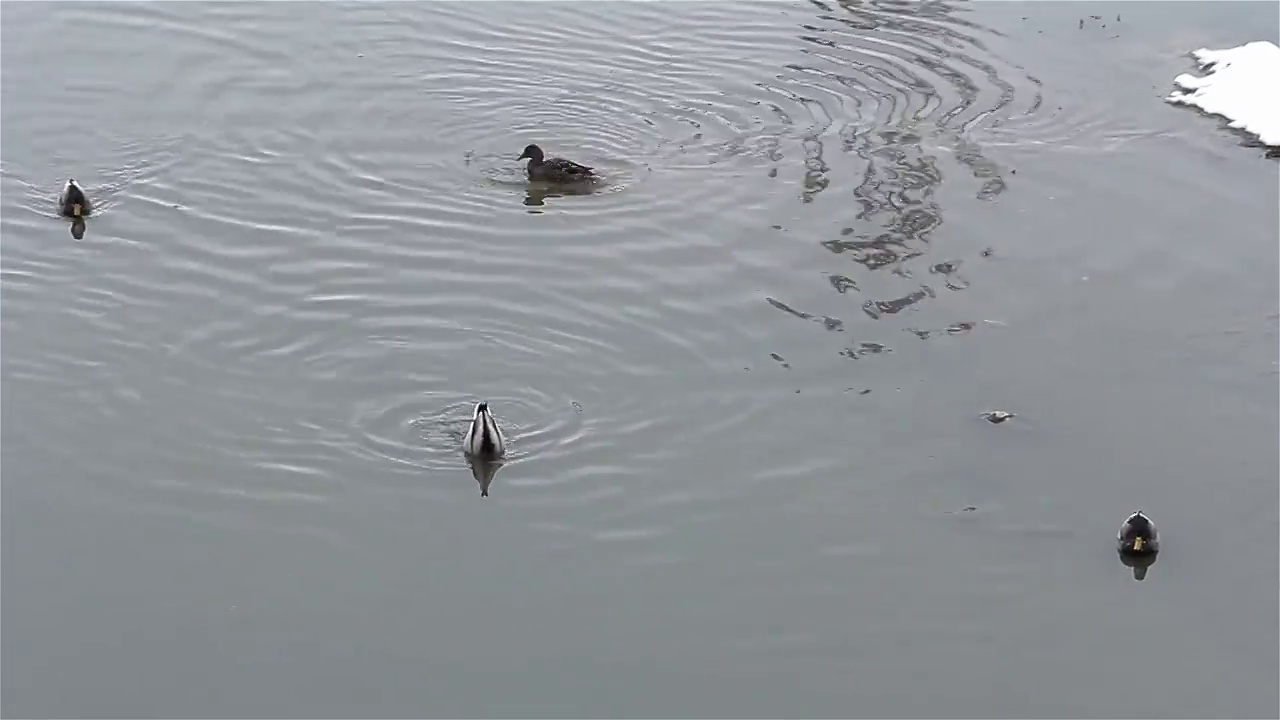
<point x="1138" y="536"/>
<point x="556" y="170"/>
<point x="483" y="440"/>
<point x="72" y="202"/>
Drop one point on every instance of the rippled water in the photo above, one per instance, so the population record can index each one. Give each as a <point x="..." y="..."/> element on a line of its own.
<point x="742" y="377"/>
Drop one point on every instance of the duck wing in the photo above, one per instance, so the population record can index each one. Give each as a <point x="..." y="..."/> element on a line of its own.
<point x="560" y="166"/>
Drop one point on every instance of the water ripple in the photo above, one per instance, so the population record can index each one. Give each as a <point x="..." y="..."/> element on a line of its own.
<point x="342" y="216"/>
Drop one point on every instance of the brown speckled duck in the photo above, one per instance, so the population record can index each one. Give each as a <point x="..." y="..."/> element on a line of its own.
<point x="556" y="170"/>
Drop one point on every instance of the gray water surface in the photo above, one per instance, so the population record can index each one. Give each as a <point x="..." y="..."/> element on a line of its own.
<point x="742" y="378"/>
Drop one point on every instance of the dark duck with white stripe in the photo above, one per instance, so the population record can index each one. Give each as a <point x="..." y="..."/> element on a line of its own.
<point x="555" y="170"/>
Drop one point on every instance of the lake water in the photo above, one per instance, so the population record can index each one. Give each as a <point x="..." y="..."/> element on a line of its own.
<point x="742" y="380"/>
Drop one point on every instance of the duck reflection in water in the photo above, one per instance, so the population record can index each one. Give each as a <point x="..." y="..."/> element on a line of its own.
<point x="1139" y="563"/>
<point x="537" y="193"/>
<point x="483" y="471"/>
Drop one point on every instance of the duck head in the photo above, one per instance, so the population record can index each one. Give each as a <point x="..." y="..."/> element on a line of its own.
<point x="532" y="152"/>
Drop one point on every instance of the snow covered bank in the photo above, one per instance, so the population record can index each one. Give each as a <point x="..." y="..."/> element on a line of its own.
<point x="1242" y="85"/>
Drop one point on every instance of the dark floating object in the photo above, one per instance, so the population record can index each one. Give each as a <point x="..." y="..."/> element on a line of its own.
<point x="995" y="417"/>
<point x="556" y="170"/>
<point x="72" y="201"/>
<point x="1138" y="536"/>
<point x="1138" y="544"/>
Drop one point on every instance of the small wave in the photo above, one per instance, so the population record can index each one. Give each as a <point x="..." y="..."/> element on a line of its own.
<point x="331" y="235"/>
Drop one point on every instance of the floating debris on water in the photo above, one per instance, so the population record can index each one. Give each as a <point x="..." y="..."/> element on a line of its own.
<point x="955" y="328"/>
<point x="865" y="348"/>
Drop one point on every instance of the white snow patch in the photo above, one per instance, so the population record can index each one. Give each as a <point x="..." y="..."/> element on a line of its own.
<point x="1242" y="85"/>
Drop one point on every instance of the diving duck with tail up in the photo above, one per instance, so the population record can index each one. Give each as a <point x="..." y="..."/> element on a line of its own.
<point x="484" y="447"/>
<point x="483" y="440"/>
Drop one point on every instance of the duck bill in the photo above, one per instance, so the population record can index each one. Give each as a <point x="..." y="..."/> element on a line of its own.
<point x="76" y="209"/>
<point x="1137" y="544"/>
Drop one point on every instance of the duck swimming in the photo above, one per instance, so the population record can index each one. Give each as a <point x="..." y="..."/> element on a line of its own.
<point x="483" y="440"/>
<point x="1138" y="536"/>
<point x="72" y="201"/>
<point x="556" y="170"/>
